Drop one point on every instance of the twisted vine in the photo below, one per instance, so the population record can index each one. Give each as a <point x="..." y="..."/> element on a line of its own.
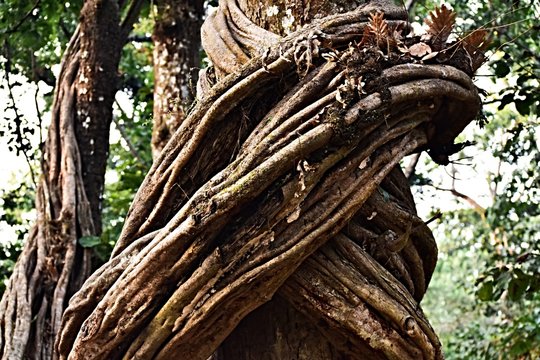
<point x="308" y="200"/>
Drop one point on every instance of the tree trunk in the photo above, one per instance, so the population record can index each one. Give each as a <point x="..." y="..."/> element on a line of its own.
<point x="53" y="266"/>
<point x="278" y="330"/>
<point x="177" y="44"/>
<point x="283" y="179"/>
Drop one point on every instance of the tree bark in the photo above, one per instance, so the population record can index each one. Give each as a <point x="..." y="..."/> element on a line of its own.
<point x="53" y="265"/>
<point x="177" y="43"/>
<point x="305" y="201"/>
<point x="278" y="329"/>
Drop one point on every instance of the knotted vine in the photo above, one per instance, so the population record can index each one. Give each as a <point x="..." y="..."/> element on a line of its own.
<point x="306" y="199"/>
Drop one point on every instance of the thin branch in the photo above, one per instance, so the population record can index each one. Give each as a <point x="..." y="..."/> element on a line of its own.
<point x="476" y="206"/>
<point x="409" y="4"/>
<point x="40" y="119"/>
<point x="131" y="17"/>
<point x="25" y="17"/>
<point x="18" y="118"/>
<point x="437" y="215"/>
<point x="493" y="189"/>
<point x="139" y="39"/>
<point x="64" y="29"/>
<point x="125" y="136"/>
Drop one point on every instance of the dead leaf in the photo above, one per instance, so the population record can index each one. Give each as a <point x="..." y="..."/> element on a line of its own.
<point x="430" y="56"/>
<point x="475" y="43"/>
<point x="403" y="49"/>
<point x="420" y="49"/>
<point x="440" y="25"/>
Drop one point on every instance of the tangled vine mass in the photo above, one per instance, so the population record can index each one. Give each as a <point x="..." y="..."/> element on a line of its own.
<point x="307" y="201"/>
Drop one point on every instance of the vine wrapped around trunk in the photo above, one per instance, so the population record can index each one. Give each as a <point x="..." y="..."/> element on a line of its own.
<point x="306" y="200"/>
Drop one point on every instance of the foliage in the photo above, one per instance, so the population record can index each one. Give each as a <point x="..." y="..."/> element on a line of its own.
<point x="33" y="37"/>
<point x="499" y="254"/>
<point x="489" y="265"/>
<point x="15" y="204"/>
<point x="28" y="59"/>
<point x="488" y="276"/>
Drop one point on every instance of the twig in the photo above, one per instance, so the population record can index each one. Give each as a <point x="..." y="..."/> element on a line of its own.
<point x="438" y="215"/>
<point x="25" y="17"/>
<point x="18" y="118"/>
<point x="139" y="38"/>
<point x="409" y="5"/>
<point x="64" y="29"/>
<point x="131" y="17"/>
<point x="40" y="119"/>
<point x="125" y="136"/>
<point x="493" y="189"/>
<point x="476" y="207"/>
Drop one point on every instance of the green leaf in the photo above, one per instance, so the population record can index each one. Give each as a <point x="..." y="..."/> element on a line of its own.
<point x="520" y="347"/>
<point x="89" y="241"/>
<point x="485" y="293"/>
<point x="517" y="288"/>
<point x="523" y="106"/>
<point x="501" y="68"/>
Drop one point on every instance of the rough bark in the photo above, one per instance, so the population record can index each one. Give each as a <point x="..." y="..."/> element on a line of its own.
<point x="278" y="330"/>
<point x="53" y="265"/>
<point x="177" y="44"/>
<point x="306" y="201"/>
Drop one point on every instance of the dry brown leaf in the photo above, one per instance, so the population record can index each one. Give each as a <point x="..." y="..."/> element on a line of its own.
<point x="440" y="25"/>
<point x="420" y="49"/>
<point x="366" y="36"/>
<point x="378" y="25"/>
<point x="430" y="56"/>
<point x="377" y="32"/>
<point x="475" y="43"/>
<point x="381" y="34"/>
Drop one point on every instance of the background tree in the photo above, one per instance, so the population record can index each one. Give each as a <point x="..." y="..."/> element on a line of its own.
<point x="53" y="265"/>
<point x="177" y="59"/>
<point x="489" y="245"/>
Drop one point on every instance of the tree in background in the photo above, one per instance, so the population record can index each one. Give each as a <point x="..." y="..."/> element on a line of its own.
<point x="492" y="250"/>
<point x="177" y="58"/>
<point x="53" y="265"/>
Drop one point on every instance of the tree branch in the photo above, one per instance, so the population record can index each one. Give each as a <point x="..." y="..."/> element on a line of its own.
<point x="125" y="136"/>
<point x="139" y="38"/>
<point x="25" y="17"/>
<point x="131" y="17"/>
<point x="476" y="206"/>
<point x="18" y="118"/>
<point x="409" y="4"/>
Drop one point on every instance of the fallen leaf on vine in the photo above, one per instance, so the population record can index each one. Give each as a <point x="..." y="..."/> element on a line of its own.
<point x="420" y="49"/>
<point x="430" y="55"/>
